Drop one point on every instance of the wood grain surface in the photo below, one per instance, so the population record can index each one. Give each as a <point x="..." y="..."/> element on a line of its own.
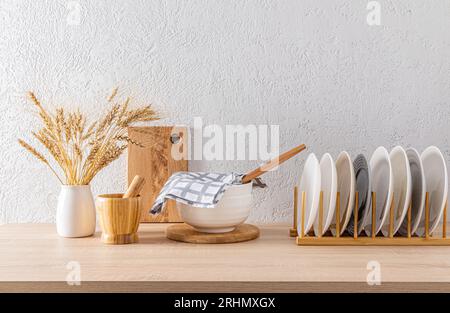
<point x="34" y="257"/>
<point x="155" y="164"/>
<point x="185" y="233"/>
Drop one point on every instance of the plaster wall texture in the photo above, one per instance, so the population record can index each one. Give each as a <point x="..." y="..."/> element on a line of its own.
<point x="316" y="68"/>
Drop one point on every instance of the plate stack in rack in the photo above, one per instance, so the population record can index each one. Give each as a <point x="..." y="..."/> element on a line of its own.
<point x="399" y="193"/>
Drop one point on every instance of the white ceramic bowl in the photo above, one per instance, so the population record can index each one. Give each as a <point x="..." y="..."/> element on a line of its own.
<point x="232" y="210"/>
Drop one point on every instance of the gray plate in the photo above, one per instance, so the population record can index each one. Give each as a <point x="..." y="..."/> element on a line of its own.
<point x="364" y="195"/>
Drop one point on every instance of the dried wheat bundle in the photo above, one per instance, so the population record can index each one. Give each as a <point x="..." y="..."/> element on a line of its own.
<point x="81" y="150"/>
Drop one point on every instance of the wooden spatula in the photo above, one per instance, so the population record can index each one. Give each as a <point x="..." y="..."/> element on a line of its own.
<point x="272" y="163"/>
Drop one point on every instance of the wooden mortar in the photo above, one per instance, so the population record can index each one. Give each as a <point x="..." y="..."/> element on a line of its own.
<point x="119" y="218"/>
<point x="120" y="214"/>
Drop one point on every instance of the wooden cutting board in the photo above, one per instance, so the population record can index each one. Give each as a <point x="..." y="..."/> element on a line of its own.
<point x="185" y="233"/>
<point x="155" y="162"/>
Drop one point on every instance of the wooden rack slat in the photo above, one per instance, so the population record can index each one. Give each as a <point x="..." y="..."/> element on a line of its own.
<point x="374" y="214"/>
<point x="427" y="216"/>
<point x="391" y="219"/>
<point x="338" y="214"/>
<point x="302" y="228"/>
<point x="293" y="230"/>
<point x="320" y="228"/>
<point x="355" y="216"/>
<point x="444" y="221"/>
<point x="409" y="219"/>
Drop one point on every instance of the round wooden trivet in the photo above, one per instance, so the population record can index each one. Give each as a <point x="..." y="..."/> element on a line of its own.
<point x="185" y="233"/>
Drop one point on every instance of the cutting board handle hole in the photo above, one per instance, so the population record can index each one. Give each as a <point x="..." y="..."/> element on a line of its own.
<point x="175" y="138"/>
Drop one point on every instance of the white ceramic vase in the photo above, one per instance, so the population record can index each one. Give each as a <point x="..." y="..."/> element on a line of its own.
<point x="75" y="215"/>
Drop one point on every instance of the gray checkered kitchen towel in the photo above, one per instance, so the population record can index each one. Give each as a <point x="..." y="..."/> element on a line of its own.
<point x="198" y="189"/>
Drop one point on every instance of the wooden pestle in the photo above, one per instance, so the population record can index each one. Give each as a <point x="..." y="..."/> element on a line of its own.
<point x="135" y="187"/>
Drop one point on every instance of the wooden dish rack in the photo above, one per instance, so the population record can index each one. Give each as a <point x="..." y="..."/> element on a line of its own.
<point x="327" y="239"/>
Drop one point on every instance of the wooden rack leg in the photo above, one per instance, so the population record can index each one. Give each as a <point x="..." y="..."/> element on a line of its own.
<point x="427" y="216"/>
<point x="293" y="231"/>
<point x="321" y="214"/>
<point x="338" y="215"/>
<point x="391" y="219"/>
<point x="409" y="219"/>
<point x="444" y="221"/>
<point x="355" y="216"/>
<point x="374" y="214"/>
<point x="302" y="228"/>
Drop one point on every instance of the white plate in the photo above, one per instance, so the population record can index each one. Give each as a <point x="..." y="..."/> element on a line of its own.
<point x="310" y="183"/>
<point x="382" y="184"/>
<point x="436" y="182"/>
<point x="417" y="191"/>
<point x="329" y="189"/>
<point x="402" y="188"/>
<point x="346" y="188"/>
<point x="364" y="189"/>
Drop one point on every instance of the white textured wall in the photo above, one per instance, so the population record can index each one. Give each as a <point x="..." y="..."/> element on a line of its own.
<point x="314" y="67"/>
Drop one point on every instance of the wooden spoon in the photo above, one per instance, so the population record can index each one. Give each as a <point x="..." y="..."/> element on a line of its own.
<point x="272" y="163"/>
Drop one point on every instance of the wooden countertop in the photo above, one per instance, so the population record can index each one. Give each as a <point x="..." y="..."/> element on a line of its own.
<point x="34" y="258"/>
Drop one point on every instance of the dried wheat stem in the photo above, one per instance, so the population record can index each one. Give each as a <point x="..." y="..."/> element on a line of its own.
<point x="39" y="156"/>
<point x="66" y="139"/>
